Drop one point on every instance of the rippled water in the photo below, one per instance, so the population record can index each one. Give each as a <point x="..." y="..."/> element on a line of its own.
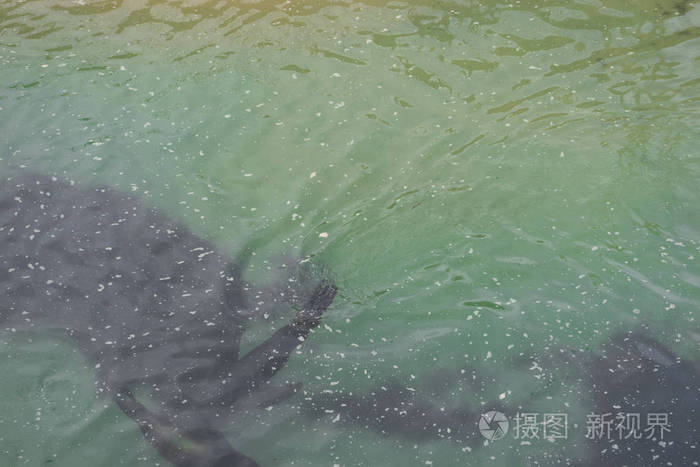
<point x="487" y="183"/>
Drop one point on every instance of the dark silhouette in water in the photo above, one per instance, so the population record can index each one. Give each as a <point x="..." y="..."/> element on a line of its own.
<point x="150" y="304"/>
<point x="155" y="307"/>
<point x="394" y="410"/>
<point x="420" y="414"/>
<point x="631" y="373"/>
<point x="635" y="374"/>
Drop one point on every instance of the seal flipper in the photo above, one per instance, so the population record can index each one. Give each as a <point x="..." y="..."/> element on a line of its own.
<point x="320" y="300"/>
<point x="259" y="365"/>
<point x="203" y="447"/>
<point x="269" y="357"/>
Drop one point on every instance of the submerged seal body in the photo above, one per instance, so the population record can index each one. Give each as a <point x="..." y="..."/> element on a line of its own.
<point x="149" y="303"/>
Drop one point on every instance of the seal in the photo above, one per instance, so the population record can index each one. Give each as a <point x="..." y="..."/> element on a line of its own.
<point x="150" y="304"/>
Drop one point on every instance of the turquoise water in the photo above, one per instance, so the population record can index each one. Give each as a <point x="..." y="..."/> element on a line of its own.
<point x="486" y="183"/>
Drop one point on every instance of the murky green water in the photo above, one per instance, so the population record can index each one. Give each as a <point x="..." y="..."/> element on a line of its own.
<point x="486" y="183"/>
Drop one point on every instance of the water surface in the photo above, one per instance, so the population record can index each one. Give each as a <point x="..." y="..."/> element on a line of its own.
<point x="487" y="183"/>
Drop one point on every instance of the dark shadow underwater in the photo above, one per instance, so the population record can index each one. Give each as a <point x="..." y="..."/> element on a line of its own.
<point x="158" y="310"/>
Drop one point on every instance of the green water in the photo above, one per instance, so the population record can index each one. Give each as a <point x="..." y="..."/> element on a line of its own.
<point x="493" y="182"/>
